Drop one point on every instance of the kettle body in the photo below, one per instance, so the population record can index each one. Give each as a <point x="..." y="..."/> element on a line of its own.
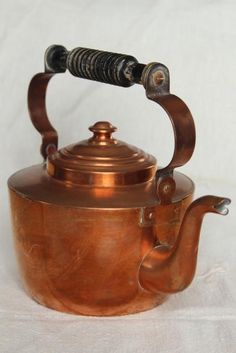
<point x="85" y="259"/>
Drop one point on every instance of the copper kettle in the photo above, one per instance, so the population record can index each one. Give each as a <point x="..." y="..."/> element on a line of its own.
<point x="99" y="229"/>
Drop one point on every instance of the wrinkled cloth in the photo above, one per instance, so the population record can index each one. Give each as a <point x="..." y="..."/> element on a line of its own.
<point x="196" y="40"/>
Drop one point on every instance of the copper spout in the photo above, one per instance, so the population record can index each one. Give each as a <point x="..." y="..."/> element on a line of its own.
<point x="170" y="270"/>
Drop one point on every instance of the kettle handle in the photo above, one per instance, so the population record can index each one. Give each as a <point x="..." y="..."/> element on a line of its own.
<point x="124" y="71"/>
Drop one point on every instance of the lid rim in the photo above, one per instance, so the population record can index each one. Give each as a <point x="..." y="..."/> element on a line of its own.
<point x="105" y="179"/>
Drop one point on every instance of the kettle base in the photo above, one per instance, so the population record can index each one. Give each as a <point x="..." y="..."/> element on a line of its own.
<point x="143" y="302"/>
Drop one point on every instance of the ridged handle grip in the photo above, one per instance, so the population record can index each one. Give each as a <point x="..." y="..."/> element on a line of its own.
<point x="97" y="65"/>
<point x="102" y="66"/>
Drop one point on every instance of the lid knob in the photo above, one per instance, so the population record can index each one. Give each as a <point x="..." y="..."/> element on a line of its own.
<point x="102" y="131"/>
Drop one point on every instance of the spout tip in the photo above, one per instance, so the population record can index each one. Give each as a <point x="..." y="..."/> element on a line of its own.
<point x="221" y="208"/>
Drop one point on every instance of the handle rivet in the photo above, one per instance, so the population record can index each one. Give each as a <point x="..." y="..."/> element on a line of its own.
<point x="150" y="216"/>
<point x="51" y="148"/>
<point x="166" y="188"/>
<point x="159" y="77"/>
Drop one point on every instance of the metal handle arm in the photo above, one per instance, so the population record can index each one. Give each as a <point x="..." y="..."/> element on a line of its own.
<point x="116" y="69"/>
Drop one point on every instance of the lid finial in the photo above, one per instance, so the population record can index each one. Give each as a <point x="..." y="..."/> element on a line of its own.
<point x="102" y="133"/>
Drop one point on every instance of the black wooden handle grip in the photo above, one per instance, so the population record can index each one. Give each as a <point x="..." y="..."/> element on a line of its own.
<point x="113" y="68"/>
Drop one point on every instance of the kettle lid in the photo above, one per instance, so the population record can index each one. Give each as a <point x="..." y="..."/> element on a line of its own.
<point x="102" y="161"/>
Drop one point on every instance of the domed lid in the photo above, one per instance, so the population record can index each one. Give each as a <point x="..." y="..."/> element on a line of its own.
<point x="101" y="160"/>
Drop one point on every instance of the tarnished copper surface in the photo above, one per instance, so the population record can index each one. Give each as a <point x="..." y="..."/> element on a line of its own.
<point x="99" y="228"/>
<point x="85" y="260"/>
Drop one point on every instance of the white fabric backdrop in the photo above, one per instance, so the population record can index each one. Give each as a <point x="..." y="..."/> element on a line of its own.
<point x="196" y="40"/>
